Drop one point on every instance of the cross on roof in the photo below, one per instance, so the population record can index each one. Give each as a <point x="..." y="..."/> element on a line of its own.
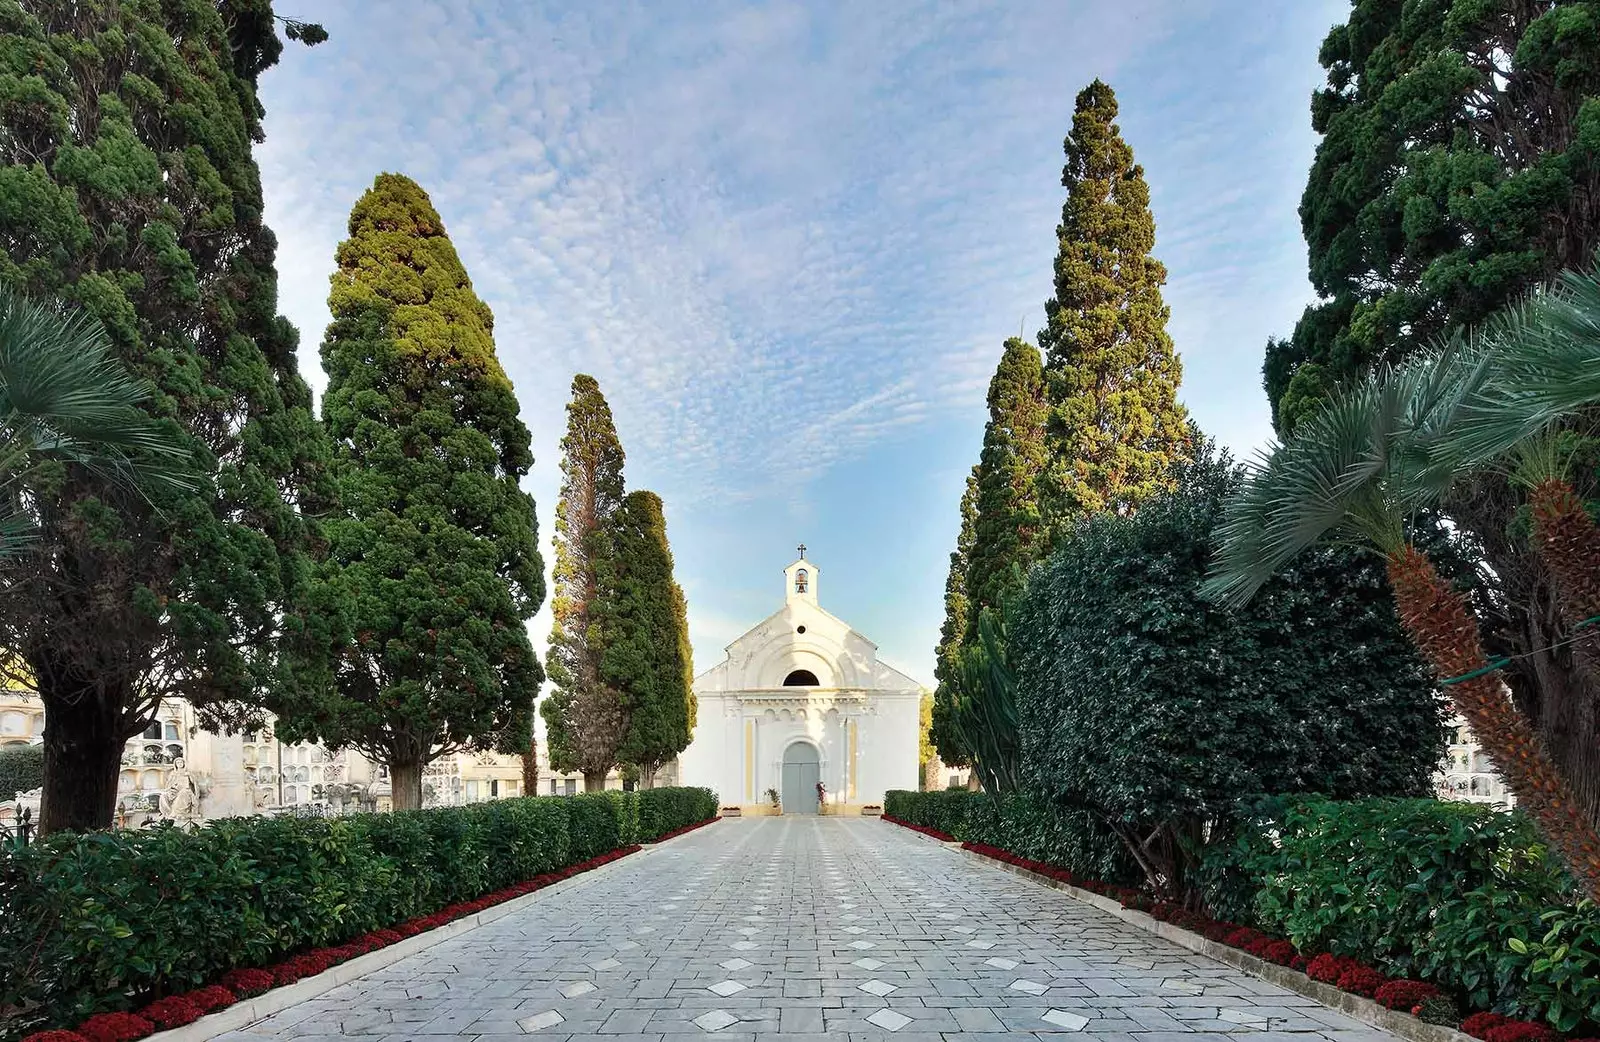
<point x="802" y="551"/>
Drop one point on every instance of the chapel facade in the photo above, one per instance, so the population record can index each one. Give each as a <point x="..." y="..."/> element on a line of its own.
<point x="802" y="698"/>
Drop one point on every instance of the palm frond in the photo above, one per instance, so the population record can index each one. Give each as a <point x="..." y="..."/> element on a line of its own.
<point x="64" y="395"/>
<point x="1356" y="466"/>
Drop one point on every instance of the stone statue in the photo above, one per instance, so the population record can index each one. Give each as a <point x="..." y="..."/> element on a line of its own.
<point x="181" y="800"/>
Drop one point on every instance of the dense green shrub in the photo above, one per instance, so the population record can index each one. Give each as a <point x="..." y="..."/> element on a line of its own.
<point x="1158" y="710"/>
<point x="594" y="824"/>
<point x="100" y="920"/>
<point x="1456" y="893"/>
<point x="663" y="810"/>
<point x="21" y="769"/>
<point x="1021" y="822"/>
<point x="941" y="810"/>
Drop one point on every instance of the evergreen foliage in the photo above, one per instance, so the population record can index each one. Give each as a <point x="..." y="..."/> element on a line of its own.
<point x="1160" y="711"/>
<point x="1008" y="530"/>
<point x="128" y="188"/>
<point x="947" y="656"/>
<point x="21" y="769"/>
<point x="434" y="556"/>
<point x="1115" y="428"/>
<point x="584" y="718"/>
<point x="1457" y="168"/>
<point x="644" y="625"/>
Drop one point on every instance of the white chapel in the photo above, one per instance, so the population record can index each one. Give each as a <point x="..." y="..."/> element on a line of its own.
<point x="803" y="698"/>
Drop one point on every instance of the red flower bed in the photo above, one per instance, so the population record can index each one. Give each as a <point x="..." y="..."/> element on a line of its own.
<point x="1520" y="1031"/>
<point x="212" y="997"/>
<point x="687" y="828"/>
<point x="54" y="1036"/>
<point x="247" y="984"/>
<point x="1480" y="1024"/>
<point x="1406" y="994"/>
<point x="115" y="1027"/>
<point x="935" y="833"/>
<point x="1361" y="980"/>
<point x="174" y="1011"/>
<point x="1329" y="968"/>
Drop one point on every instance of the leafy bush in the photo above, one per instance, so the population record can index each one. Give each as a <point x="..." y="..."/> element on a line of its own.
<point x="102" y="920"/>
<point x="1454" y="893"/>
<point x="1022" y="823"/>
<point x="664" y="810"/>
<point x="1158" y="709"/>
<point x="21" y="769"/>
<point x="941" y="810"/>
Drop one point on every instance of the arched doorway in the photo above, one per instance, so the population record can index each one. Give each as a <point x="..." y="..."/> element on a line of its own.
<point x="802" y="769"/>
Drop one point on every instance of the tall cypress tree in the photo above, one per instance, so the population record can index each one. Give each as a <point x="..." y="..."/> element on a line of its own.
<point x="644" y="622"/>
<point x="584" y="717"/>
<point x="947" y="656"/>
<point x="435" y="554"/>
<point x="128" y="188"/>
<point x="1115" y="426"/>
<point x="1008" y="528"/>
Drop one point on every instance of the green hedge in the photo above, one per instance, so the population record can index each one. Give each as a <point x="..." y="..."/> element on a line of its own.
<point x="663" y="810"/>
<point x="1459" y="894"/>
<point x="1021" y="823"/>
<point x="100" y="920"/>
<point x="21" y="769"/>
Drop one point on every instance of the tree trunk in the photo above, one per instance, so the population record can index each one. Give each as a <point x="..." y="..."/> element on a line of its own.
<point x="1446" y="633"/>
<point x="594" y="781"/>
<point x="647" y="776"/>
<point x="83" y="744"/>
<point x="405" y="784"/>
<point x="1568" y="545"/>
<point x="530" y="768"/>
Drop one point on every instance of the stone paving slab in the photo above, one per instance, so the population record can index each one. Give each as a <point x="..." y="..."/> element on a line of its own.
<point x="791" y="928"/>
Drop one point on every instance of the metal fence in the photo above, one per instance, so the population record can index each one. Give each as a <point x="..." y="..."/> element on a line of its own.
<point x="16" y="835"/>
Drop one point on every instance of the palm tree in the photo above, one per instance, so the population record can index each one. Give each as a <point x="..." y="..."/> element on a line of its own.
<point x="1362" y="469"/>
<point x="65" y="399"/>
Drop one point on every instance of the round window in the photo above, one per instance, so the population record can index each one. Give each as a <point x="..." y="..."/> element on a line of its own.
<point x="799" y="629"/>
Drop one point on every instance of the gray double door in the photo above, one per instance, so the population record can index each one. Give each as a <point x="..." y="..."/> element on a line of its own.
<point x="801" y="772"/>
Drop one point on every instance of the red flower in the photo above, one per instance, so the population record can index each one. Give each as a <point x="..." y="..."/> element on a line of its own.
<point x="174" y="1011"/>
<point x="1281" y="952"/>
<point x="1329" y="968"/>
<point x="1361" y="980"/>
<point x="211" y="997"/>
<point x="247" y="984"/>
<point x="1520" y="1031"/>
<point x="1480" y="1024"/>
<point x="1405" y="994"/>
<point x="1299" y="962"/>
<point x="54" y="1036"/>
<point x="115" y="1027"/>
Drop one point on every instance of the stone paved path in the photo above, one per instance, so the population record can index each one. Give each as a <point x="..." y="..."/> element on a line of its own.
<point x="808" y="928"/>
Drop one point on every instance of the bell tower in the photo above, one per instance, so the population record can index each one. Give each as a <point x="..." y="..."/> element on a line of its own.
<point x="800" y="580"/>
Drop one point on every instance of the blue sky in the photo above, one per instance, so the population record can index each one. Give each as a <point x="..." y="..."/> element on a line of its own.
<point x="789" y="238"/>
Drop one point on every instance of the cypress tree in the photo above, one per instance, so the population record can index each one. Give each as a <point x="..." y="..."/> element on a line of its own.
<point x="128" y="189"/>
<point x="435" y="553"/>
<point x="644" y="623"/>
<point x="1007" y="530"/>
<point x="584" y="718"/>
<point x="947" y="656"/>
<point x="1115" y="427"/>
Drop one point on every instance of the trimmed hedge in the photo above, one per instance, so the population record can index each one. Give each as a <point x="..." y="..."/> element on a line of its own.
<point x="104" y="921"/>
<point x="21" y="769"/>
<point x="1022" y="823"/>
<point x="665" y="810"/>
<point x="1459" y="894"/>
